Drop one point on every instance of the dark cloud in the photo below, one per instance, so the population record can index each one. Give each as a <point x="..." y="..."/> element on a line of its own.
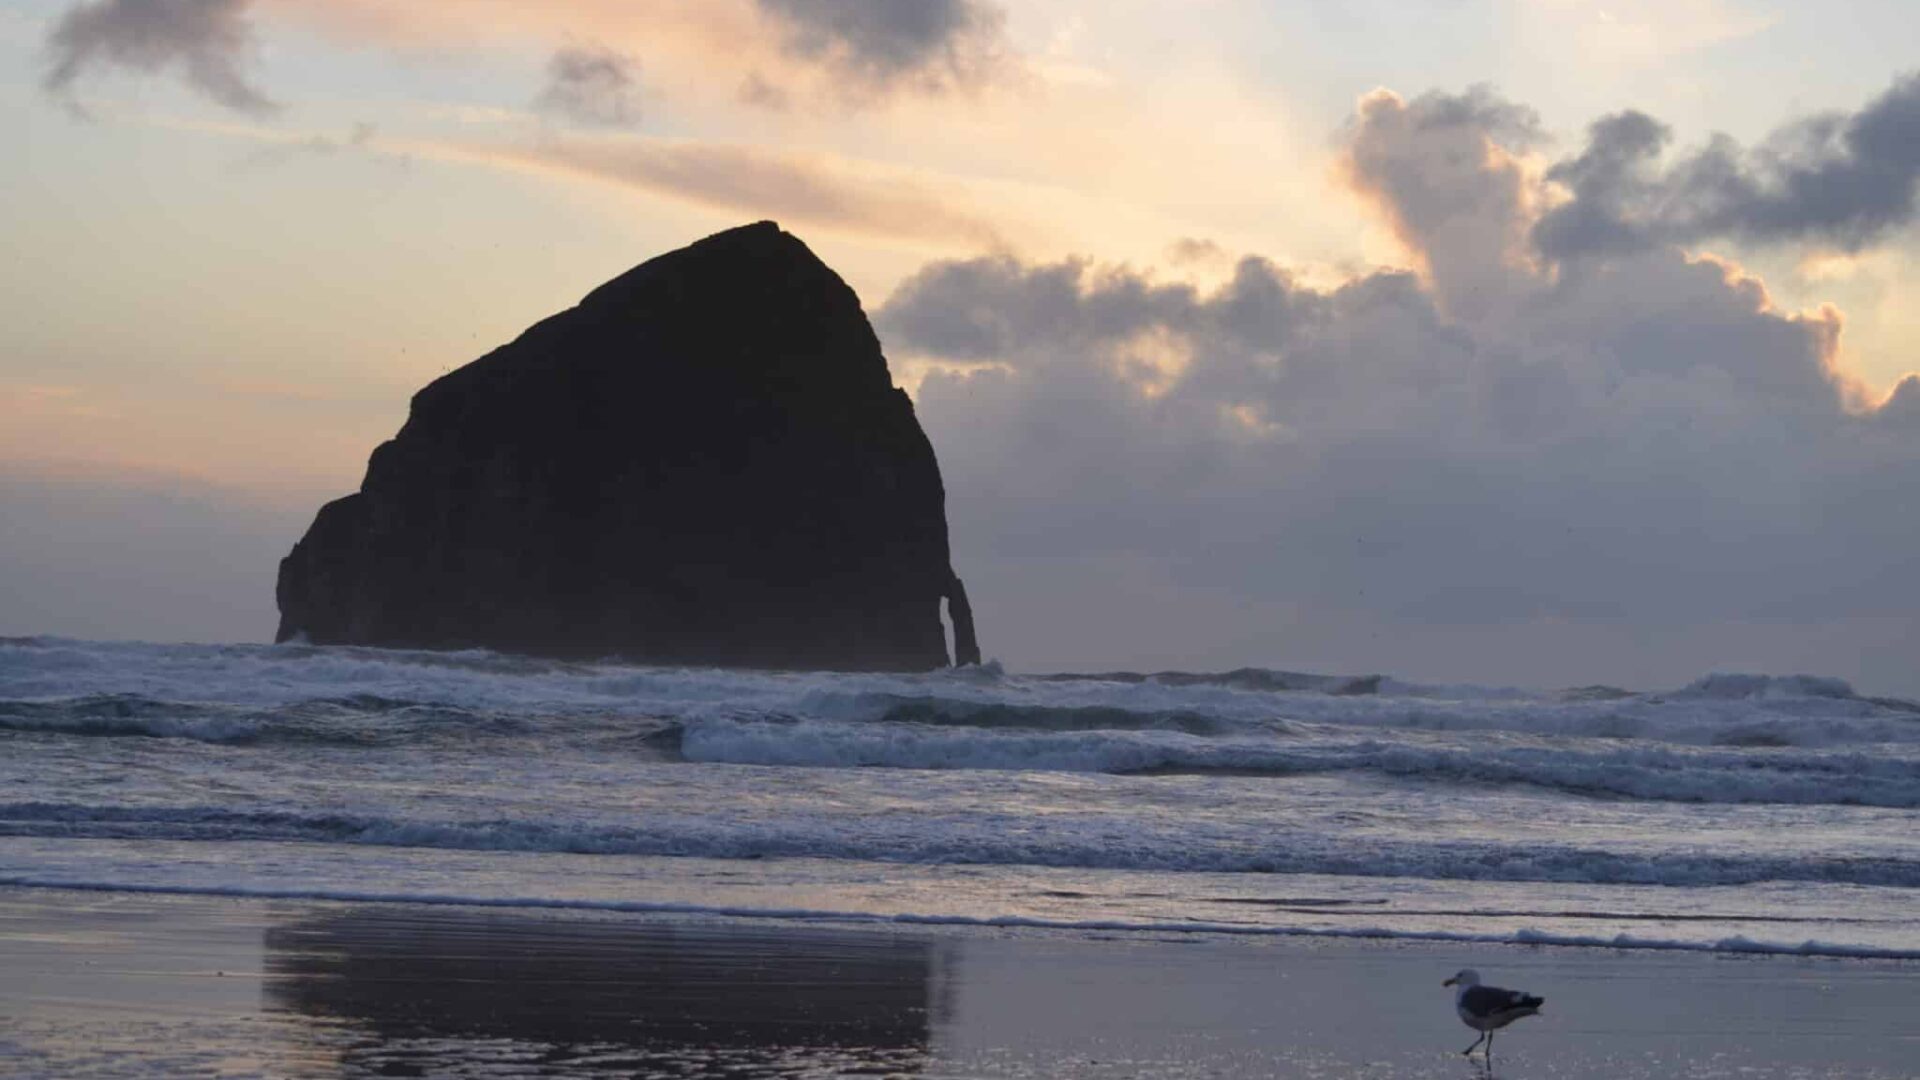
<point x="992" y="308"/>
<point x="1902" y="407"/>
<point x="1604" y="179"/>
<point x="876" y="45"/>
<point x="1842" y="179"/>
<point x="207" y="41"/>
<point x="1635" y="472"/>
<point x="591" y="85"/>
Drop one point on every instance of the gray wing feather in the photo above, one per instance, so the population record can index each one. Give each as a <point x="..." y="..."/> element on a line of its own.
<point x="1488" y="1000"/>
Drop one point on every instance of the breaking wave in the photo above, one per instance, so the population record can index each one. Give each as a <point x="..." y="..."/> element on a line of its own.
<point x="354" y="720"/>
<point x="1725" y="738"/>
<point x="958" y="843"/>
<point x="1601" y="767"/>
<point x="167" y="766"/>
<point x="120" y="686"/>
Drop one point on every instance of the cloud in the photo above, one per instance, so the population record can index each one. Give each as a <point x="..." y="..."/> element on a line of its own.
<point x="281" y="149"/>
<point x="881" y="45"/>
<point x="758" y="91"/>
<point x="206" y="40"/>
<point x="772" y="54"/>
<point x="1845" y="179"/>
<point x="756" y="183"/>
<point x="1439" y="169"/>
<point x="1902" y="406"/>
<point x="1195" y="251"/>
<point x="591" y="85"/>
<point x="1497" y="468"/>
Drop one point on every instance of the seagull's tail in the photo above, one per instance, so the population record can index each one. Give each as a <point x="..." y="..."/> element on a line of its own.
<point x="1532" y="1002"/>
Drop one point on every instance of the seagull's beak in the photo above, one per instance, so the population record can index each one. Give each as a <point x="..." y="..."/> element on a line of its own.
<point x="1449" y="982"/>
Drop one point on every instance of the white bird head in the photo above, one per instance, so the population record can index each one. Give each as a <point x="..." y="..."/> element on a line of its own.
<point x="1466" y="977"/>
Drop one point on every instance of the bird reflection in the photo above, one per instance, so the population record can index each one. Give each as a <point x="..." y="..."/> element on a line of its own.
<point x="396" y="992"/>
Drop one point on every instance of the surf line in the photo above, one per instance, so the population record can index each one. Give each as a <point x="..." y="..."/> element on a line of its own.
<point x="1522" y="936"/>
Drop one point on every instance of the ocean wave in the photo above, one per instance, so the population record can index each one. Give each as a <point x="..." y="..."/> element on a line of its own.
<point x="930" y="710"/>
<point x="1738" y="944"/>
<point x="1741" y="686"/>
<point x="958" y="844"/>
<point x="127" y="715"/>
<point x="350" y="720"/>
<point x="1633" y="770"/>
<point x="227" y="681"/>
<point x="1248" y="678"/>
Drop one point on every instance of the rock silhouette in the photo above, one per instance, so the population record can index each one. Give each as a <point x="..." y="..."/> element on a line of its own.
<point x="704" y="462"/>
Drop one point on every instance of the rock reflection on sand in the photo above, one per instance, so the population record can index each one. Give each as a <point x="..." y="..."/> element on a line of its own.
<point x="137" y="987"/>
<point x="483" y="993"/>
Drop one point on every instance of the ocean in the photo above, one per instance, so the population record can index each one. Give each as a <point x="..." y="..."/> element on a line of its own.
<point x="1741" y="813"/>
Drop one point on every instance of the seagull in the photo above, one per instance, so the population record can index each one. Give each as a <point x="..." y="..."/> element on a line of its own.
<point x="1487" y="1009"/>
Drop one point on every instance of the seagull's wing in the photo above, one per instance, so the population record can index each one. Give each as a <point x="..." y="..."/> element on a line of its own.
<point x="1491" y="1000"/>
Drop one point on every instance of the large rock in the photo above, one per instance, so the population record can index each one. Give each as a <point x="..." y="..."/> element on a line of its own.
<point x="705" y="462"/>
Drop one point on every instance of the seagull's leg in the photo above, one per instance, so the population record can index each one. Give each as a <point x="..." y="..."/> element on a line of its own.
<point x="1475" y="1046"/>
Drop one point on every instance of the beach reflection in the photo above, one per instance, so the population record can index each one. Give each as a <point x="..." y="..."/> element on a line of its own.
<point x="392" y="993"/>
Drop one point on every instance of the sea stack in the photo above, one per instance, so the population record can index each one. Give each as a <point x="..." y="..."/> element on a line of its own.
<point x="704" y="462"/>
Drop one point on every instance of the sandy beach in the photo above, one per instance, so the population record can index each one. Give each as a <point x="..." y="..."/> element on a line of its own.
<point x="106" y="984"/>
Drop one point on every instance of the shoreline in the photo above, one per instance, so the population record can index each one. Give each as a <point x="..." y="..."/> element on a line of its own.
<point x="1522" y="937"/>
<point x="114" y="983"/>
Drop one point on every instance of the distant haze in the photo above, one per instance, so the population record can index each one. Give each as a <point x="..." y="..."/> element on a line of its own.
<point x="1580" y="355"/>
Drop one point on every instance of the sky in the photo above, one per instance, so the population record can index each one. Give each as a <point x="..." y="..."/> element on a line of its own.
<point x="1518" y="343"/>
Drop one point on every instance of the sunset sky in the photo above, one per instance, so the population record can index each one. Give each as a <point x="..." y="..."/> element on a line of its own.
<point x="1534" y="343"/>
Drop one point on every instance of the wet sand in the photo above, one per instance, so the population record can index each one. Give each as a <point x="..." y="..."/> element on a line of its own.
<point x="103" y="984"/>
